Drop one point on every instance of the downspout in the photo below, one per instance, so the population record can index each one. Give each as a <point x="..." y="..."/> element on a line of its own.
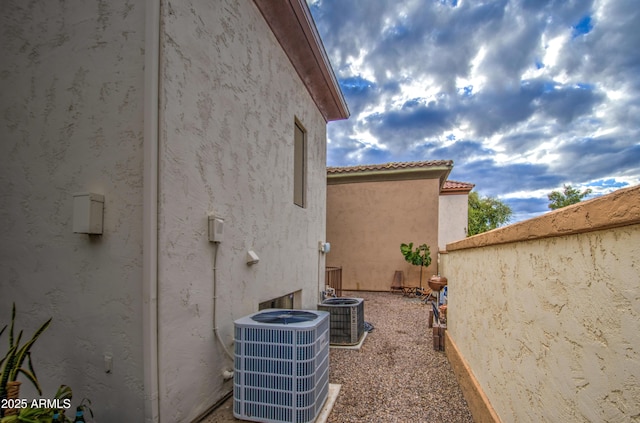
<point x="150" y="212"/>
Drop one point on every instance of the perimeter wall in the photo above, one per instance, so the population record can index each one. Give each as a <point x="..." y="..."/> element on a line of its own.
<point x="544" y="315"/>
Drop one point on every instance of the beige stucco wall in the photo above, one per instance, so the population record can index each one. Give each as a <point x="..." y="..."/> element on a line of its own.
<point x="546" y="312"/>
<point x="367" y="222"/>
<point x="72" y="118"/>
<point x="229" y="98"/>
<point x="453" y="218"/>
<point x="71" y="79"/>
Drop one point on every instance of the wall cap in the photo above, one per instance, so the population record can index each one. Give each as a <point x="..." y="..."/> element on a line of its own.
<point x="620" y="208"/>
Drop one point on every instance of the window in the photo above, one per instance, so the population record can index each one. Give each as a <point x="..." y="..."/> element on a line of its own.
<point x="299" y="166"/>
<point x="286" y="301"/>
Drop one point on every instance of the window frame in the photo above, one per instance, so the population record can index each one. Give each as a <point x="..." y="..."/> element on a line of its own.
<point x="299" y="165"/>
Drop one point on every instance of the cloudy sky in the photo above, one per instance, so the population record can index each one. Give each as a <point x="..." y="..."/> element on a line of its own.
<point x="523" y="95"/>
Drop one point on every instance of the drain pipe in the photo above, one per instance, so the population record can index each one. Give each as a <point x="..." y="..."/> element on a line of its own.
<point x="226" y="374"/>
<point x="151" y="142"/>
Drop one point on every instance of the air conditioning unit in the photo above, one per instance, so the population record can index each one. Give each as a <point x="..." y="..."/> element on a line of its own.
<point x="281" y="365"/>
<point x="347" y="319"/>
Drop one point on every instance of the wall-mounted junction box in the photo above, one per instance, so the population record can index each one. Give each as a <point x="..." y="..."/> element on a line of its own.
<point x="216" y="229"/>
<point x="88" y="210"/>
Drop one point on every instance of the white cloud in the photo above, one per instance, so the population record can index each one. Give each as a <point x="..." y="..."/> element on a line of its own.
<point x="520" y="99"/>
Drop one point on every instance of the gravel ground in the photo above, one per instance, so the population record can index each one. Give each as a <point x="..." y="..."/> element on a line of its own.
<point x="396" y="376"/>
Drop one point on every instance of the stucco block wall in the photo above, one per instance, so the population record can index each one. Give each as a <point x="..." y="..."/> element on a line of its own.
<point x="229" y="99"/>
<point x="367" y="222"/>
<point x="549" y="325"/>
<point x="71" y="79"/>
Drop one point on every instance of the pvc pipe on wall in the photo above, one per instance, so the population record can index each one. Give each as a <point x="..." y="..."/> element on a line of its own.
<point x="150" y="213"/>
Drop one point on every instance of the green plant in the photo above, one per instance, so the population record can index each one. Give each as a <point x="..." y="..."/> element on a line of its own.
<point x="421" y="256"/>
<point x="486" y="213"/>
<point x="12" y="364"/>
<point x="567" y="197"/>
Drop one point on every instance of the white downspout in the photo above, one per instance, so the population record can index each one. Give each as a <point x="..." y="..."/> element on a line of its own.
<point x="150" y="213"/>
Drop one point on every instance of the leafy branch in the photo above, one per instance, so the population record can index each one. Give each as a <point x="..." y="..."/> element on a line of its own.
<point x="421" y="256"/>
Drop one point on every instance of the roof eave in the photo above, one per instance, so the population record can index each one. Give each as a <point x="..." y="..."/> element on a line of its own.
<point x="292" y="24"/>
<point x="455" y="191"/>
<point x="431" y="172"/>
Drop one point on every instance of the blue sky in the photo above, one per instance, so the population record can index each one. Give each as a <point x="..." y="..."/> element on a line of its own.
<point x="524" y="96"/>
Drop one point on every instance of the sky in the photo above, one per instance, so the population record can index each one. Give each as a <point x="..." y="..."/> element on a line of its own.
<point x="524" y="96"/>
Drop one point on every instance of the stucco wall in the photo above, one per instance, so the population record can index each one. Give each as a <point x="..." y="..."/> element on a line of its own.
<point x="453" y="219"/>
<point x="367" y="222"/>
<point x="549" y="325"/>
<point x="71" y="79"/>
<point x="229" y="100"/>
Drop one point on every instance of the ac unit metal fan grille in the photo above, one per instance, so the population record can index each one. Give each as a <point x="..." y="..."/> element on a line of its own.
<point x="281" y="369"/>
<point x="347" y="319"/>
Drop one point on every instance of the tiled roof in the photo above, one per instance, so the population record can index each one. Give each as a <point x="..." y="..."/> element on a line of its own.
<point x="457" y="186"/>
<point x="396" y="171"/>
<point x="389" y="166"/>
<point x="400" y="170"/>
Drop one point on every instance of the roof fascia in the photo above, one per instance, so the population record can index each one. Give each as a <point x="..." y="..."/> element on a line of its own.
<point x="292" y="24"/>
<point x="455" y="191"/>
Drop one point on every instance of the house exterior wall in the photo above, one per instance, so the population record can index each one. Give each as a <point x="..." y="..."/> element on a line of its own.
<point x="71" y="121"/>
<point x="453" y="218"/>
<point x="546" y="312"/>
<point x="229" y="100"/>
<point x="367" y="222"/>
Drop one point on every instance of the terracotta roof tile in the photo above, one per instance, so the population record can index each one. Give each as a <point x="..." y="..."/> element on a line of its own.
<point x="457" y="185"/>
<point x="389" y="166"/>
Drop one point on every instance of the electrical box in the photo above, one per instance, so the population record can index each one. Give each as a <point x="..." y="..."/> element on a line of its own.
<point x="88" y="210"/>
<point x="324" y="247"/>
<point x="216" y="229"/>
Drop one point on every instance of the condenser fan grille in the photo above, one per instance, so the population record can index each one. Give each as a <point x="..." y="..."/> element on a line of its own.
<point x="347" y="319"/>
<point x="284" y="317"/>
<point x="341" y="301"/>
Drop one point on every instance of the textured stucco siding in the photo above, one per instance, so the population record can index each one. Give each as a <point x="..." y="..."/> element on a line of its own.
<point x="549" y="327"/>
<point x="229" y="99"/>
<point x="71" y="79"/>
<point x="454" y="219"/>
<point x="367" y="222"/>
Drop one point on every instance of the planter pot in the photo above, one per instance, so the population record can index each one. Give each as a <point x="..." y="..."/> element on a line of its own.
<point x="437" y="282"/>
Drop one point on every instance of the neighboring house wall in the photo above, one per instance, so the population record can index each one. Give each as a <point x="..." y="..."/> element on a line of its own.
<point x="367" y="222"/>
<point x="229" y="100"/>
<point x="453" y="218"/>
<point x="71" y="107"/>
<point x="454" y="212"/>
<point x="545" y="314"/>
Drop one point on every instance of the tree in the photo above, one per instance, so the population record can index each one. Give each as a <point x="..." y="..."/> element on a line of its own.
<point x="569" y="196"/>
<point x="421" y="256"/>
<point x="486" y="213"/>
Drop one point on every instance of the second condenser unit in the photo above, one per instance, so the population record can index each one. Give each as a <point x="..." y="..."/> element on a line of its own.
<point x="347" y="319"/>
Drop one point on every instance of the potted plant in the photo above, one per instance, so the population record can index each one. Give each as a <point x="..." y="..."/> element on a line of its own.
<point x="421" y="256"/>
<point x="12" y="364"/>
